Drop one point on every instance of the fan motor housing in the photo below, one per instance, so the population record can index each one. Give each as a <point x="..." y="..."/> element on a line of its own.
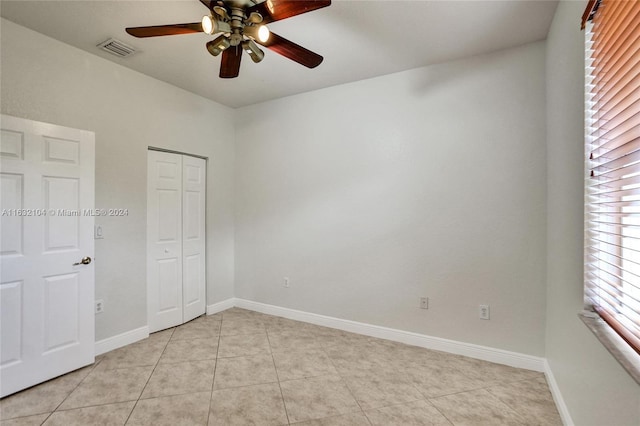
<point x="240" y="4"/>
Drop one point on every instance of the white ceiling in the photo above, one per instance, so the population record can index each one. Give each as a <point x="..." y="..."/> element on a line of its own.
<point x="358" y="39"/>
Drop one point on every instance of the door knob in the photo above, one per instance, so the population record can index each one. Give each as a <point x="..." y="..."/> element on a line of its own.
<point x="85" y="261"/>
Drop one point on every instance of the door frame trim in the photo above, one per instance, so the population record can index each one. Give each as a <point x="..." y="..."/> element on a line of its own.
<point x="171" y="151"/>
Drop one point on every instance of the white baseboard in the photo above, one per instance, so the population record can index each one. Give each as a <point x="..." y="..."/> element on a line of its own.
<point x="221" y="306"/>
<point x="471" y="350"/>
<point x="121" y="340"/>
<point x="133" y="336"/>
<point x="484" y="353"/>
<point x="557" y="395"/>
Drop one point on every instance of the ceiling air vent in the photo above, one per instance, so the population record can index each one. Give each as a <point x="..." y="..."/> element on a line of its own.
<point x="116" y="47"/>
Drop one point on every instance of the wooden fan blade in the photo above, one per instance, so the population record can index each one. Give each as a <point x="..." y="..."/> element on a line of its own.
<point x="276" y="10"/>
<point x="164" y="30"/>
<point x="292" y="51"/>
<point x="230" y="66"/>
<point x="209" y="4"/>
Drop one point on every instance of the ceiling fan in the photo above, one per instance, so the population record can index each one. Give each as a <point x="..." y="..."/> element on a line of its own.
<point x="240" y="25"/>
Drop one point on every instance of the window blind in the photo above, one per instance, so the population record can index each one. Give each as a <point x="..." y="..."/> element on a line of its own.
<point x="612" y="201"/>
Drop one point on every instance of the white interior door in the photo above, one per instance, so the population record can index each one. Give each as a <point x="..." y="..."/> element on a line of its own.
<point x="194" y="172"/>
<point x="164" y="240"/>
<point x="175" y="239"/>
<point x="46" y="295"/>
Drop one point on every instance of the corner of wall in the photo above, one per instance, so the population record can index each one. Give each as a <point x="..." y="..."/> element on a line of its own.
<point x="589" y="386"/>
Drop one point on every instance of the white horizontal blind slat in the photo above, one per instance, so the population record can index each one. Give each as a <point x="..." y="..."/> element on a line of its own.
<point x="612" y="189"/>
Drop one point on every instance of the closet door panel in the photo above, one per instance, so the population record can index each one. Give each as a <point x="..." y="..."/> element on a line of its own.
<point x="194" y="237"/>
<point x="164" y="240"/>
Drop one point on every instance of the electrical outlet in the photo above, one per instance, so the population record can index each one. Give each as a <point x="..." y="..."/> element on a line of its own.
<point x="424" y="303"/>
<point x="484" y="312"/>
<point x="99" y="306"/>
<point x="285" y="282"/>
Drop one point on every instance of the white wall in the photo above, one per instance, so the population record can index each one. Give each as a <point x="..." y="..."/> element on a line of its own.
<point x="45" y="80"/>
<point x="429" y="182"/>
<point x="595" y="388"/>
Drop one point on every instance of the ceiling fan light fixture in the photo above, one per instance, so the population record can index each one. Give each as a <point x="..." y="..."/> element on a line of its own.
<point x="211" y="25"/>
<point x="257" y="32"/>
<point x="263" y="33"/>
<point x="207" y="24"/>
<point x="255" y="18"/>
<point x="219" y="10"/>
<point x="218" y="45"/>
<point x="253" y="50"/>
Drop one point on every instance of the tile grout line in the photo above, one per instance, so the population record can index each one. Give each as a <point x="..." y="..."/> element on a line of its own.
<point x="424" y="398"/>
<point x="523" y="415"/>
<point x="215" y="368"/>
<point x="73" y="390"/>
<point x="284" y="403"/>
<point x="243" y="386"/>
<point x="345" y="383"/>
<point x="455" y="393"/>
<point x="440" y="411"/>
<point x="150" y="375"/>
<point x="483" y="389"/>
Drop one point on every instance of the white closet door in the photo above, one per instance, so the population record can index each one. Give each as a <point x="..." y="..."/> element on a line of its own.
<point x="193" y="238"/>
<point x="46" y="294"/>
<point x="175" y="239"/>
<point x="164" y="240"/>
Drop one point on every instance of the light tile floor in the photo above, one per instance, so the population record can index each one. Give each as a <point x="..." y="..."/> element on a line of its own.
<point x="244" y="368"/>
